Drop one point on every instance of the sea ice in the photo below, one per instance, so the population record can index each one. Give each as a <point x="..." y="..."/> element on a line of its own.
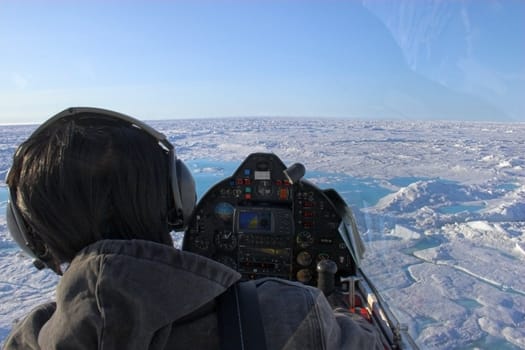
<point x="453" y="276"/>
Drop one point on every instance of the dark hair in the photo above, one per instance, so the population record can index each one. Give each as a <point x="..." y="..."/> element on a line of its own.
<point x="86" y="179"/>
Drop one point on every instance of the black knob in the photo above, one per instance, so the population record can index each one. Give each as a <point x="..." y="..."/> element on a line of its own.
<point x="326" y="270"/>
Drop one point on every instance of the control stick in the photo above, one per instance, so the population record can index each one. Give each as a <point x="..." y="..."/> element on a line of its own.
<point x="326" y="270"/>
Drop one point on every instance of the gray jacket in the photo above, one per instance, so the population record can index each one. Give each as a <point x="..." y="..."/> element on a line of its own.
<point x="132" y="294"/>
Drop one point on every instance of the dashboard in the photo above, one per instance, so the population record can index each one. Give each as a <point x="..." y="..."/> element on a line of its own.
<point x="266" y="220"/>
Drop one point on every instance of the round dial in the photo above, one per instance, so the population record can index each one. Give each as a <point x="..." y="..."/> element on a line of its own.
<point x="224" y="211"/>
<point x="225" y="240"/>
<point x="304" y="258"/>
<point x="305" y="239"/>
<point x="304" y="275"/>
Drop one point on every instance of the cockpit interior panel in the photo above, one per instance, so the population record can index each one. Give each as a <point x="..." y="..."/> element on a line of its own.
<point x="265" y="220"/>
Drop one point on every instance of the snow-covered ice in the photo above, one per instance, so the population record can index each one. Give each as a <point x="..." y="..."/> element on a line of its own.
<point x="441" y="207"/>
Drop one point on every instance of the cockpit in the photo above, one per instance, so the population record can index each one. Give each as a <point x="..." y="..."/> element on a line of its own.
<point x="267" y="221"/>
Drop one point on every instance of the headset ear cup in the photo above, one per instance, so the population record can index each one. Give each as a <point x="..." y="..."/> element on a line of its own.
<point x="17" y="227"/>
<point x="184" y="192"/>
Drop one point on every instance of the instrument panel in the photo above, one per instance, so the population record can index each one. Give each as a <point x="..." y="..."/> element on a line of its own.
<point x="262" y="223"/>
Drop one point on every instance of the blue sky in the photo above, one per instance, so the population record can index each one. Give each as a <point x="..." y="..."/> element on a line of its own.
<point x="367" y="59"/>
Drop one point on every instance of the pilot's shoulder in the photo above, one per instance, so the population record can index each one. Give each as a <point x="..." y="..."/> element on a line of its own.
<point x="278" y="292"/>
<point x="25" y="332"/>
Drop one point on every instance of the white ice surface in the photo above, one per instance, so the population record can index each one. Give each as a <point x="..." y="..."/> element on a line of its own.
<point x="446" y="249"/>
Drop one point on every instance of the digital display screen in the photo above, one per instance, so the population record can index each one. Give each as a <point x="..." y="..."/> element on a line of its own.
<point x="255" y="221"/>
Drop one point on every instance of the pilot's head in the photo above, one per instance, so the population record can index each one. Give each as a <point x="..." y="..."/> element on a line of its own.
<point x="90" y="174"/>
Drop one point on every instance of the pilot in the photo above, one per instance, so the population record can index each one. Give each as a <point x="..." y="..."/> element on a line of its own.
<point x="94" y="195"/>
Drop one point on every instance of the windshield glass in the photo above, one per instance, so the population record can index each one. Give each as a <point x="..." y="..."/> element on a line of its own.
<point x="411" y="110"/>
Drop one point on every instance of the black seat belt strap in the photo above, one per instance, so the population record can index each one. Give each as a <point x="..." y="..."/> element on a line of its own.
<point x="251" y="319"/>
<point x="239" y="316"/>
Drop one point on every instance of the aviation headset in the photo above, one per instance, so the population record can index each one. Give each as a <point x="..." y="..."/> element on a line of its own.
<point x="181" y="181"/>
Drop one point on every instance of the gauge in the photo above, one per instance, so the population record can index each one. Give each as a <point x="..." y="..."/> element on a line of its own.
<point x="304" y="275"/>
<point x="227" y="260"/>
<point x="224" y="211"/>
<point x="304" y="258"/>
<point x="225" y="240"/>
<point x="305" y="239"/>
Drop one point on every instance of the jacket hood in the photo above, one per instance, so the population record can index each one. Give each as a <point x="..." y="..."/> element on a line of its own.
<point x="142" y="284"/>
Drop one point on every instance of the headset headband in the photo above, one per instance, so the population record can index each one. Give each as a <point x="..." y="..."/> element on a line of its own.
<point x="160" y="137"/>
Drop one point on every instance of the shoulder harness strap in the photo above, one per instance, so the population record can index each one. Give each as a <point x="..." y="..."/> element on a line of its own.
<point x="239" y="316"/>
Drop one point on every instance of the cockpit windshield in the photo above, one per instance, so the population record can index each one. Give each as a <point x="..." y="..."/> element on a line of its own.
<point x="408" y="117"/>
